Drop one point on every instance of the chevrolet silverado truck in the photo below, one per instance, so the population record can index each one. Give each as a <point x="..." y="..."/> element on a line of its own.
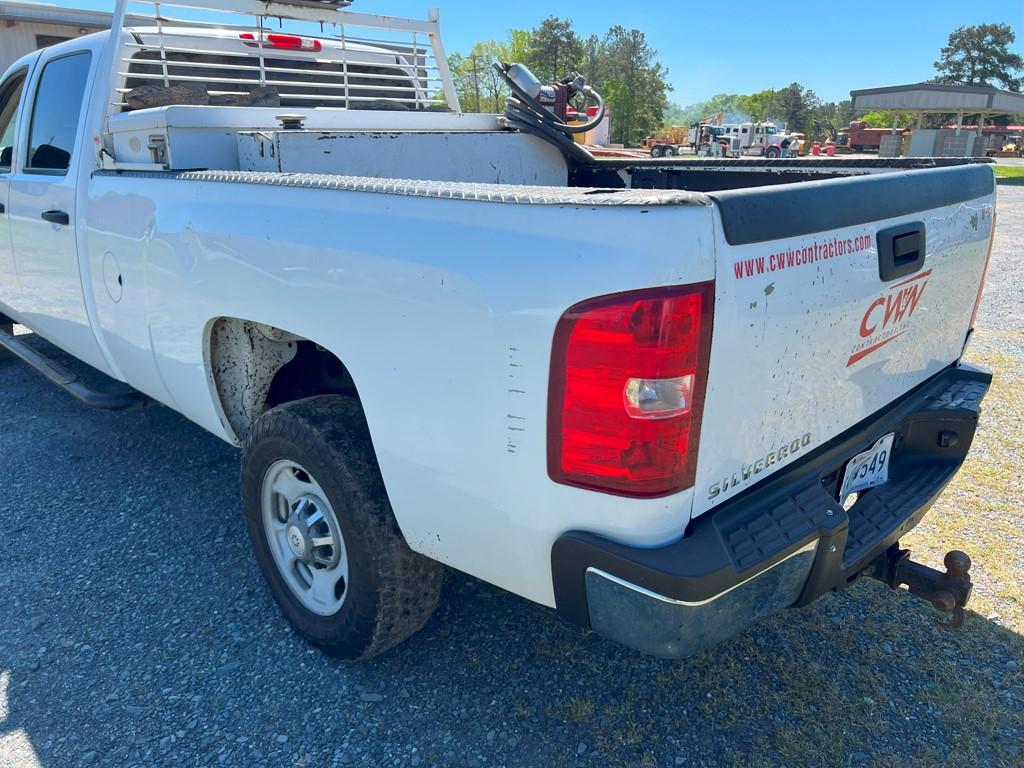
<point x="664" y="397"/>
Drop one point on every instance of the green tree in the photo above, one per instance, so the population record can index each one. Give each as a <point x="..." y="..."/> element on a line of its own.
<point x="634" y="84"/>
<point x="794" y="105"/>
<point x="553" y="50"/>
<point x="980" y="55"/>
<point x="466" y="85"/>
<point x="621" y="65"/>
<point x="758" y="106"/>
<point x="677" y="114"/>
<point x="726" y="103"/>
<point x="480" y="88"/>
<point x="885" y="119"/>
<point x="829" y="117"/>
<point x="594" y="53"/>
<point x="492" y="85"/>
<point x="518" y="44"/>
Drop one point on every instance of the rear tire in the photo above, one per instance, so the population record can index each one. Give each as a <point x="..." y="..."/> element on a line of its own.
<point x="670" y="151"/>
<point x="773" y="153"/>
<point x="656" y="151"/>
<point x="323" y="532"/>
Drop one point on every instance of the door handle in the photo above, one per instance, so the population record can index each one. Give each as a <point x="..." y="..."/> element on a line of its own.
<point x="55" y="217"/>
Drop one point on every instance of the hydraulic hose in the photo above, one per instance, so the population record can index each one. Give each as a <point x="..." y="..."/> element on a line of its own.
<point x="524" y="112"/>
<point x="527" y="121"/>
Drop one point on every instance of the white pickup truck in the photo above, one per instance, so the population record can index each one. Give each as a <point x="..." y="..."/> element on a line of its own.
<point x="665" y="397"/>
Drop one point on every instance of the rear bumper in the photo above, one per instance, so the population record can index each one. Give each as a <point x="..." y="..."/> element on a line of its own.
<point x="782" y="543"/>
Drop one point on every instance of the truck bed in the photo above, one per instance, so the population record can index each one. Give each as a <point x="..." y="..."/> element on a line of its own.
<point x="706" y="174"/>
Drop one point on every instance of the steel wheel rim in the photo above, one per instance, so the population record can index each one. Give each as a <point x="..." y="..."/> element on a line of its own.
<point x="304" y="537"/>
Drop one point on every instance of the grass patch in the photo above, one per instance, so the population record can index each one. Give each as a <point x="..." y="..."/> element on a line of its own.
<point x="981" y="510"/>
<point x="1009" y="174"/>
<point x="579" y="708"/>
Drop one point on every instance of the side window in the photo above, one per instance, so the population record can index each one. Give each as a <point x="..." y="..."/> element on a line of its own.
<point x="10" y="94"/>
<point x="55" y="114"/>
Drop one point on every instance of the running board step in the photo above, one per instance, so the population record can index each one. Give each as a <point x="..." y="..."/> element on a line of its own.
<point x="68" y="381"/>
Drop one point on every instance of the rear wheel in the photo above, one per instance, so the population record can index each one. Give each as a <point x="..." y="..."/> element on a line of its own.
<point x="324" y="534"/>
<point x="670" y="151"/>
<point x="773" y="152"/>
<point x="656" y="151"/>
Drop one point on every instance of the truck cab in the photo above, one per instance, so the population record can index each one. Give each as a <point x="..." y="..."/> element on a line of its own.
<point x="758" y="139"/>
<point x="43" y="101"/>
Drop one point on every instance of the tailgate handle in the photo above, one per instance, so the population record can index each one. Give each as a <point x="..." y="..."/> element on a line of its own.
<point x="901" y="250"/>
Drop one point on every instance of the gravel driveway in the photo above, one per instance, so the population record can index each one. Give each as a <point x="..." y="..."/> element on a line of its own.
<point x="1002" y="307"/>
<point x="135" y="630"/>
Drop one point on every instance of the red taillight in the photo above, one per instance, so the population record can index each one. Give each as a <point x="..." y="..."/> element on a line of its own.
<point x="628" y="374"/>
<point x="285" y="42"/>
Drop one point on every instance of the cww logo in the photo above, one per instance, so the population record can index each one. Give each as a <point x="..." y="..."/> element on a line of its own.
<point x="887" y="316"/>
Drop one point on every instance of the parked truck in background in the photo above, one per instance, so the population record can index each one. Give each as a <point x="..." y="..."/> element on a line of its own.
<point x="673" y="141"/>
<point x="757" y="139"/>
<point x="859" y="138"/>
<point x="664" y="397"/>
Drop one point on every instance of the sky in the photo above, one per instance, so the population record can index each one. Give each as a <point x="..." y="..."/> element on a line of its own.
<point x="737" y="47"/>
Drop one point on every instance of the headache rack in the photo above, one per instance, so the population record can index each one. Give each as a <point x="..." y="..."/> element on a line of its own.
<point x="345" y="60"/>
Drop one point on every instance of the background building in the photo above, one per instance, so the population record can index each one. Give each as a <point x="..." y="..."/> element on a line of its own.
<point x="921" y="99"/>
<point x="24" y="27"/>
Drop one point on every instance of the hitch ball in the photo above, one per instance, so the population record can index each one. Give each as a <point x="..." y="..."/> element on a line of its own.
<point x="947" y="592"/>
<point x="958" y="564"/>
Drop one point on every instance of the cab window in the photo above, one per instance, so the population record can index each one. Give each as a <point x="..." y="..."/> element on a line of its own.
<point x="56" y="112"/>
<point x="10" y="95"/>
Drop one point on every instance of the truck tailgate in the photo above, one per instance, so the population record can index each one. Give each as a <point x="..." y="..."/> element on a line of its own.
<point x="833" y="298"/>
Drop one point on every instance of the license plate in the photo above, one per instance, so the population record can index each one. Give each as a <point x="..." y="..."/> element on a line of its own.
<point x="868" y="469"/>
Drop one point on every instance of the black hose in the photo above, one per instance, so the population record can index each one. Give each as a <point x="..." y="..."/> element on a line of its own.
<point x="590" y="93"/>
<point x="527" y="114"/>
<point x="525" y="120"/>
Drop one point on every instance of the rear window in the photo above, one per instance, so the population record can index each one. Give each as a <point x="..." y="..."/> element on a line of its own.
<point x="56" y="111"/>
<point x="299" y="82"/>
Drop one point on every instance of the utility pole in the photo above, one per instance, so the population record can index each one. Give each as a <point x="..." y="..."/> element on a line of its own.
<point x="476" y="78"/>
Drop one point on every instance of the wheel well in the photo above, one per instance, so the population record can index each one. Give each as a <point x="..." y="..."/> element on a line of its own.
<point x="255" y="367"/>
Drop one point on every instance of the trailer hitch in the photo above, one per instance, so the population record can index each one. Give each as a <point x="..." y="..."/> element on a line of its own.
<point x="947" y="592"/>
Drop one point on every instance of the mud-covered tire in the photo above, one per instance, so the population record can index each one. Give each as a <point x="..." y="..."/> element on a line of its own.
<point x="390" y="591"/>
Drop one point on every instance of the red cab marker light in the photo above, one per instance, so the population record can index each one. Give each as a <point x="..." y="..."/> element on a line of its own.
<point x="628" y="374"/>
<point x="284" y="42"/>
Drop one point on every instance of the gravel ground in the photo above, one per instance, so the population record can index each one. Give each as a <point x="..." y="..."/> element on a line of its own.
<point x="1002" y="306"/>
<point x="135" y="630"/>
